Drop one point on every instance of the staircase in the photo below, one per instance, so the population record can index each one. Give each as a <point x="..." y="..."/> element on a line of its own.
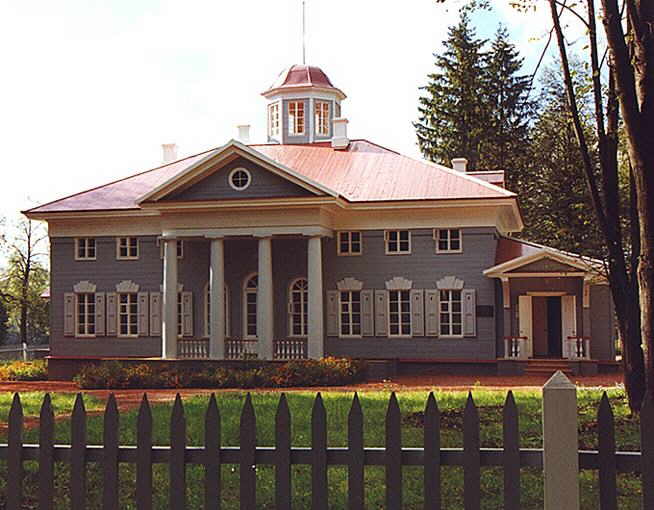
<point x="547" y="366"/>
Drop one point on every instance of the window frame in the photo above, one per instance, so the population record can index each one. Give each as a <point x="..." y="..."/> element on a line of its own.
<point x="207" y="310"/>
<point x="304" y="304"/>
<point x="248" y="290"/>
<point x="128" y="247"/>
<point x="87" y="314"/>
<point x="86" y="248"/>
<point x="400" y="313"/>
<point x="349" y="242"/>
<point x="274" y="124"/>
<point x="293" y="121"/>
<point x="387" y="241"/>
<point x="321" y="118"/>
<point x="437" y="239"/>
<point x="350" y="313"/>
<point x="231" y="176"/>
<point x="450" y="313"/>
<point x="119" y="314"/>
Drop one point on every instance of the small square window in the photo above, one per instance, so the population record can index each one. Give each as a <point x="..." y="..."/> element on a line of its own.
<point x="127" y="248"/>
<point x="448" y="240"/>
<point x="398" y="242"/>
<point x="85" y="248"/>
<point x="349" y="243"/>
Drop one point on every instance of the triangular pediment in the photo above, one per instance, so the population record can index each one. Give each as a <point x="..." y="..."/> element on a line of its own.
<point x="545" y="265"/>
<point x="543" y="262"/>
<point x="210" y="179"/>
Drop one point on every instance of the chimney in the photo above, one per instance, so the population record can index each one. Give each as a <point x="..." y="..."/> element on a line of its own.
<point x="169" y="152"/>
<point x="243" y="133"/>
<point x="460" y="164"/>
<point x="340" y="139"/>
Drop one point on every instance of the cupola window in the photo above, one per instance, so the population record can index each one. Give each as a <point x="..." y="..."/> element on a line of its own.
<point x="273" y="119"/>
<point x="322" y="118"/>
<point x="239" y="179"/>
<point x="296" y="118"/>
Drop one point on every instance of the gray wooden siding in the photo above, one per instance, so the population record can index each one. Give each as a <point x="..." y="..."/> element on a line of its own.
<point x="265" y="184"/>
<point x="602" y="326"/>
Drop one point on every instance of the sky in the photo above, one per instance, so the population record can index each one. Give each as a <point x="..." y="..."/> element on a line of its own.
<point x="90" y="89"/>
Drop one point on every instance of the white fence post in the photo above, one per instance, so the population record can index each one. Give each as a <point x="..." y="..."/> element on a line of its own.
<point x="24" y="349"/>
<point x="560" y="444"/>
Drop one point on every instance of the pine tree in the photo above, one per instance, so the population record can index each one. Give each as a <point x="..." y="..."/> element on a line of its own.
<point x="452" y="119"/>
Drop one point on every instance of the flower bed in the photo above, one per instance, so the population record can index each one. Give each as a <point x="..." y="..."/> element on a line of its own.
<point x="36" y="370"/>
<point x="324" y="372"/>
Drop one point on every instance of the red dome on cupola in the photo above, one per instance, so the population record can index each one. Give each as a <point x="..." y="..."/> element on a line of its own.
<point x="302" y="77"/>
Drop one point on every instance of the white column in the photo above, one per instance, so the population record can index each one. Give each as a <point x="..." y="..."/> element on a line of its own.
<point x="316" y="333"/>
<point x="169" y="312"/>
<point x="560" y="444"/>
<point x="265" y="322"/>
<point x="217" y="301"/>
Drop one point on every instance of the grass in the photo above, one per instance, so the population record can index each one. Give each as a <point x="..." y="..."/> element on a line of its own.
<point x="374" y="407"/>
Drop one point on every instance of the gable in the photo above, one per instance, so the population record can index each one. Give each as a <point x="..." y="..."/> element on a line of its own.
<point x="545" y="265"/>
<point x="216" y="186"/>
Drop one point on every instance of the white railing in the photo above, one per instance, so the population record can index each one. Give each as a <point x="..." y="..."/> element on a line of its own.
<point x="515" y="347"/>
<point x="193" y="348"/>
<point x="579" y="347"/>
<point x="238" y="348"/>
<point x="22" y="351"/>
<point x="295" y="348"/>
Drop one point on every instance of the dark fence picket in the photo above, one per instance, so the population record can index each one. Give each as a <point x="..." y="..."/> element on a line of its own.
<point x="471" y="457"/>
<point x="647" y="449"/>
<point x="248" y="445"/>
<point x="110" y="460"/>
<point x="46" y="454"/>
<point x="432" y="446"/>
<point x="78" y="455"/>
<point x="144" y="456"/>
<point x="212" y="440"/>
<point x="319" y="494"/>
<point x="393" y="455"/>
<point x="177" y="467"/>
<point x="511" y="458"/>
<point x="15" y="455"/>
<point x="356" y="460"/>
<point x="606" y="453"/>
<point x="283" y="455"/>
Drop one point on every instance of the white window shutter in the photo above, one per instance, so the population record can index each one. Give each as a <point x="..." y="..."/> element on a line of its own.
<point x="332" y="313"/>
<point x="381" y="313"/>
<point x="367" y="313"/>
<point x="187" y="313"/>
<point x="99" y="314"/>
<point x="112" y="318"/>
<point x="143" y="300"/>
<point x="417" y="312"/>
<point x="469" y="312"/>
<point x="155" y="313"/>
<point x="431" y="312"/>
<point x="69" y="314"/>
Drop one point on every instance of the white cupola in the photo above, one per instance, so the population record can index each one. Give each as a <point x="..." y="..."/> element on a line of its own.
<point x="302" y="104"/>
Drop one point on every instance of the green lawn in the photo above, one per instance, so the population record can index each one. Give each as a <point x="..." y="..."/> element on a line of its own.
<point x="374" y="408"/>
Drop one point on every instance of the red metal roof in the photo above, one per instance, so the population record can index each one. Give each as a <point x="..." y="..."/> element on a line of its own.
<point x="301" y="76"/>
<point x="364" y="172"/>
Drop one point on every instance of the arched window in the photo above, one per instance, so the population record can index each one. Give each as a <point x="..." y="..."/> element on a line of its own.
<point x="250" y="306"/>
<point x="207" y="310"/>
<point x="298" y="307"/>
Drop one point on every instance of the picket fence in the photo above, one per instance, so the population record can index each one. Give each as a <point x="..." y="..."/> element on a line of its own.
<point x="318" y="456"/>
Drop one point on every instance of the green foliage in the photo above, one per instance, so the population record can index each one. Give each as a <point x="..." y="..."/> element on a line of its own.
<point x="36" y="370"/>
<point x="324" y="372"/>
<point x="4" y="320"/>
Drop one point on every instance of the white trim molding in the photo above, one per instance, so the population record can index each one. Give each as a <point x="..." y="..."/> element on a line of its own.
<point x="349" y="283"/>
<point x="399" y="283"/>
<point x="449" y="283"/>
<point x="127" y="286"/>
<point x="84" y="287"/>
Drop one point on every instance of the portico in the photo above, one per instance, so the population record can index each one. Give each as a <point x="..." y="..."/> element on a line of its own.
<point x="264" y="346"/>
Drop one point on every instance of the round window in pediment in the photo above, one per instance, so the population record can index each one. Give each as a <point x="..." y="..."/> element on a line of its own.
<point x="239" y="179"/>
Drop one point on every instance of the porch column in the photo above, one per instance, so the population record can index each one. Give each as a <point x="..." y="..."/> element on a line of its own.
<point x="265" y="323"/>
<point x="217" y="301"/>
<point x="315" y="343"/>
<point x="169" y="315"/>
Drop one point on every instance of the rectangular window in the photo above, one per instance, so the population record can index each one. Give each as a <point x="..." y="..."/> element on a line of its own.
<point x="127" y="315"/>
<point x="450" y="313"/>
<point x="85" y="248"/>
<point x="180" y="249"/>
<point x="322" y="118"/>
<point x="273" y="119"/>
<point x="251" y="314"/>
<point x="350" y="308"/>
<point x="86" y="315"/>
<point x="127" y="248"/>
<point x="399" y="313"/>
<point x="398" y="242"/>
<point x="296" y="118"/>
<point x="180" y="315"/>
<point x="349" y="243"/>
<point x="448" y="240"/>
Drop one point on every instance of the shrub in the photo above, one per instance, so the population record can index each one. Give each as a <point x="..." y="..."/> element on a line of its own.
<point x="325" y="372"/>
<point x="36" y="370"/>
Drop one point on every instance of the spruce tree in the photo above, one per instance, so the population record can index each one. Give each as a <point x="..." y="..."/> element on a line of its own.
<point x="452" y="117"/>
